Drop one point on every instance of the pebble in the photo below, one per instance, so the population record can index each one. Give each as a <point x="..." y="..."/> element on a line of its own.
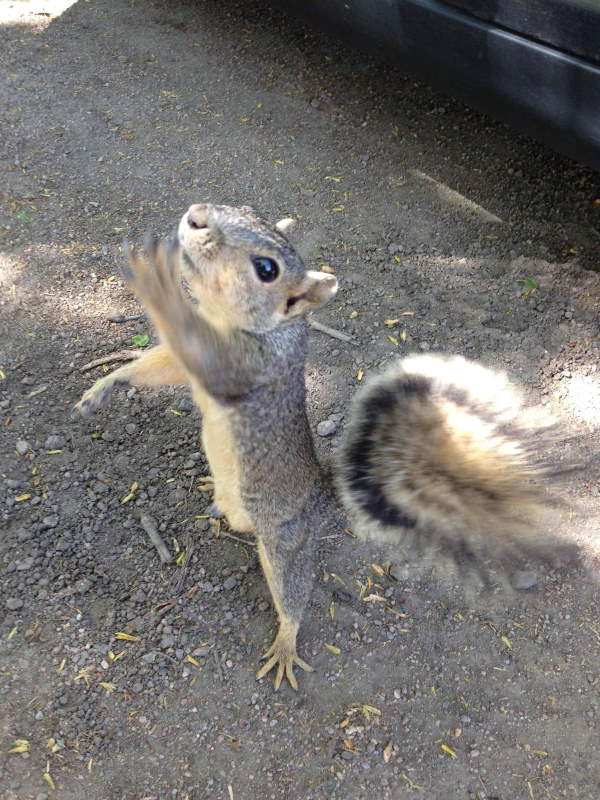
<point x="22" y="447"/>
<point x="131" y="428"/>
<point x="51" y="521"/>
<point x="167" y="641"/>
<point x="400" y="572"/>
<point x="327" y="428"/>
<point x="185" y="405"/>
<point x="230" y="583"/>
<point x="524" y="579"/>
<point x="14" y="603"/>
<point x="25" y="564"/>
<point x="150" y="658"/>
<point x="55" y="442"/>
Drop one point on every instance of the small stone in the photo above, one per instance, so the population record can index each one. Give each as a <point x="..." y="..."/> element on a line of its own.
<point x="185" y="405"/>
<point x="167" y="641"/>
<point x="347" y="755"/>
<point x="108" y="437"/>
<point x="25" y="565"/>
<point x="327" y="428"/>
<point x="524" y="579"/>
<point x="263" y="606"/>
<point x="22" y="447"/>
<point x="51" y="521"/>
<point x="131" y="428"/>
<point x="14" y="603"/>
<point x="149" y="658"/>
<point x="230" y="583"/>
<point x="400" y="572"/>
<point x="55" y="442"/>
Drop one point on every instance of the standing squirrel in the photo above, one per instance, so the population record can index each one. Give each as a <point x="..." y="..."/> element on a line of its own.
<point x="437" y="448"/>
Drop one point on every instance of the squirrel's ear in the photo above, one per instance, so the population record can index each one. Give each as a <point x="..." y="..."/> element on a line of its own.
<point x="285" y="225"/>
<point x="314" y="291"/>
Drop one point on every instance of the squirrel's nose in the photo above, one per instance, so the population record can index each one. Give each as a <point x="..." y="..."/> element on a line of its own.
<point x="198" y="216"/>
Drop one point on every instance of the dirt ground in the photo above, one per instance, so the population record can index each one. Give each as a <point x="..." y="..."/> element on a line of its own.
<point x="115" y="116"/>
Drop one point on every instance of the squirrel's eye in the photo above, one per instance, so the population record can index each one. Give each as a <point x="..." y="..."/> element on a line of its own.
<point x="266" y="269"/>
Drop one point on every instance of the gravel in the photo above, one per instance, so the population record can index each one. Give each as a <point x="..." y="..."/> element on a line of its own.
<point x="118" y="115"/>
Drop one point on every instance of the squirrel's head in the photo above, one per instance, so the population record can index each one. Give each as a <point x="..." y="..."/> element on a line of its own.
<point x="243" y="272"/>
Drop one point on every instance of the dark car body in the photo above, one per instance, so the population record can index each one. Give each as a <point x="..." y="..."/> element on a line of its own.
<point x="533" y="63"/>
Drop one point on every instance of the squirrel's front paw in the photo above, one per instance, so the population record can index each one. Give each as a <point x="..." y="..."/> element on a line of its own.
<point x="97" y="396"/>
<point x="282" y="654"/>
<point x="153" y="273"/>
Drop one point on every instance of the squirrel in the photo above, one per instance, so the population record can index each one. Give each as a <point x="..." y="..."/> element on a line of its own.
<point x="439" y="449"/>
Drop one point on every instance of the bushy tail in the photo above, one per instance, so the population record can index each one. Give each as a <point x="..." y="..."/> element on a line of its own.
<point x="440" y="452"/>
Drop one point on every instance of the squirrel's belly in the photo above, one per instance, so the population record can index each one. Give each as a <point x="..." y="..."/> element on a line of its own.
<point x="221" y="453"/>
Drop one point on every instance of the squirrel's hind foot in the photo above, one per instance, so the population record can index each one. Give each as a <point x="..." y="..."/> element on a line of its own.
<point x="282" y="654"/>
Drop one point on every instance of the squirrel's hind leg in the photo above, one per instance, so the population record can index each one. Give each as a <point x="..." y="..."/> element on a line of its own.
<point x="286" y="558"/>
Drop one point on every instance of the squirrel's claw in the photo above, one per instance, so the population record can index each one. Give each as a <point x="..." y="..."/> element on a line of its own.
<point x="282" y="654"/>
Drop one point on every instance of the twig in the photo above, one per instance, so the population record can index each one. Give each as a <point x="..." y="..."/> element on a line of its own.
<point x="122" y="355"/>
<point x="236" y="538"/>
<point x="344" y="337"/>
<point x="149" y="526"/>
<point x="118" y="317"/>
<point x="218" y="664"/>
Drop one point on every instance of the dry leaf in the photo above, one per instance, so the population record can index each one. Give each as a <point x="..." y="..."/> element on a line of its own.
<point x="333" y="649"/>
<point x="50" y="781"/>
<point x="19" y="746"/>
<point x="449" y="750"/>
<point x="127" y="637"/>
<point x="387" y="752"/>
